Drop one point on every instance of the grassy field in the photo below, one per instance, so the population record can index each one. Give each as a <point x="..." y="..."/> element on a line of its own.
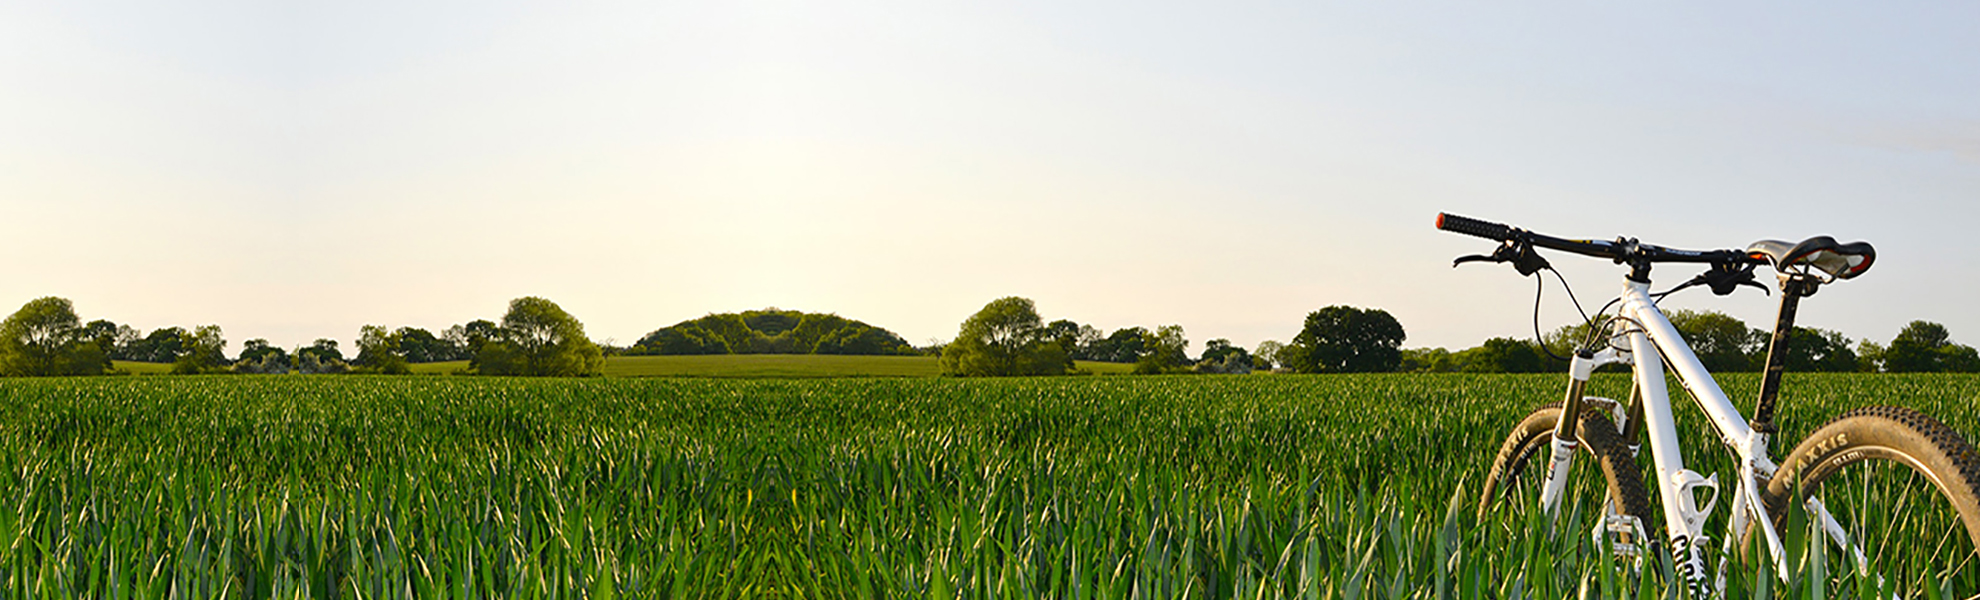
<point x="140" y="368"/>
<point x="1093" y="487"/>
<point x="771" y="366"/>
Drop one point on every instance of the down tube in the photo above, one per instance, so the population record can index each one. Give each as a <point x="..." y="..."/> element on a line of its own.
<point x="1665" y="457"/>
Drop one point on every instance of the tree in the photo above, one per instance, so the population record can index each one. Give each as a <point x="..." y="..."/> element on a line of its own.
<point x="1125" y="345"/>
<point x="1502" y="355"/>
<point x="1220" y="357"/>
<point x="109" y="337"/>
<point x="421" y="346"/>
<point x="1869" y="357"/>
<point x="1005" y="338"/>
<point x="46" y="338"/>
<point x="1426" y="360"/>
<point x="537" y="338"/>
<point x="1926" y="347"/>
<point x="772" y="331"/>
<point x="1164" y="351"/>
<point x="1218" y="348"/>
<point x="1074" y="338"/>
<point x="1816" y="350"/>
<point x="467" y="339"/>
<point x="320" y="357"/>
<point x="1345" y="339"/>
<point x="322" y="349"/>
<point x="203" y="351"/>
<point x="1722" y="343"/>
<point x="1267" y="354"/>
<point x="260" y="357"/>
<point x="379" y="353"/>
<point x="163" y="345"/>
<point x="255" y="349"/>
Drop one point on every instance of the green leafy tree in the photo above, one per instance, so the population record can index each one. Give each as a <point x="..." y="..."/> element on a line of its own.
<point x="1217" y="349"/>
<point x="1816" y="350"/>
<point x="256" y="349"/>
<point x="162" y="345"/>
<point x="322" y="350"/>
<point x="1005" y="338"/>
<point x="260" y="357"/>
<point x="1427" y="360"/>
<point x="468" y="337"/>
<point x="110" y="337"/>
<point x="1267" y="354"/>
<point x="1926" y="347"/>
<point x="537" y="338"/>
<point x="1723" y="343"/>
<point x="1869" y="357"/>
<point x="1125" y="345"/>
<point x="321" y="357"/>
<point x="421" y="346"/>
<point x="1503" y="355"/>
<point x="379" y="352"/>
<point x="1221" y="357"/>
<point x="772" y="331"/>
<point x="202" y="351"/>
<point x="1073" y="337"/>
<point x="1167" y="350"/>
<point x="1345" y="339"/>
<point x="46" y="338"/>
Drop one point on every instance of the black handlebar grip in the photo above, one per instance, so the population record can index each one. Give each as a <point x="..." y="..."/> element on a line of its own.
<point x="1470" y="226"/>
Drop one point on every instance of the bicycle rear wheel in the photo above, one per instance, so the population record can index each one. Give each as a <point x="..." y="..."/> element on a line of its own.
<point x="1520" y="468"/>
<point x="1901" y="488"/>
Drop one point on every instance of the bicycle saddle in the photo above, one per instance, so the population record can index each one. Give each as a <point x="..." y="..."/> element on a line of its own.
<point x="1840" y="261"/>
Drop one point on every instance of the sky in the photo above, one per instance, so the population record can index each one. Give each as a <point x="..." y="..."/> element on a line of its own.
<point x="295" y="170"/>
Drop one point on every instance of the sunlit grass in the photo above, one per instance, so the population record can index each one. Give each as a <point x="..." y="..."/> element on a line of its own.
<point x="380" y="487"/>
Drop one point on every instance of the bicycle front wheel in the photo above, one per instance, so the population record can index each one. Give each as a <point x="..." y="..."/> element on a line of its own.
<point x="1899" y="488"/>
<point x="1521" y="465"/>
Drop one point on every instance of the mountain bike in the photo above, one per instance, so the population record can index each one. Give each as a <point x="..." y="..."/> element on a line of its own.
<point x="1892" y="490"/>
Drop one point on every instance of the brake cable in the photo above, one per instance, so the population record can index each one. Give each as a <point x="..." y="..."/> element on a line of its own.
<point x="1520" y="253"/>
<point x="1539" y="284"/>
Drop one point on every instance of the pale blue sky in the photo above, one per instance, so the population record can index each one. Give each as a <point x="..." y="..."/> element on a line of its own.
<point x="296" y="170"/>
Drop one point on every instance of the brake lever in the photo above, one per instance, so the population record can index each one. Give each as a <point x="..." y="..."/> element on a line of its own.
<point x="1520" y="254"/>
<point x="1725" y="279"/>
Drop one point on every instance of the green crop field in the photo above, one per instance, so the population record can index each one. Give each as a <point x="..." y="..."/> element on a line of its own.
<point x="1074" y="487"/>
<point x="771" y="366"/>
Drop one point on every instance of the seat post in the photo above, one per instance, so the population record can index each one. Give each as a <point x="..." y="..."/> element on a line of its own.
<point x="1794" y="287"/>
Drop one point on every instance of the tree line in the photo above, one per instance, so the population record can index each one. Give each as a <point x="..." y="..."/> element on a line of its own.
<point x="1008" y="337"/>
<point x="534" y="338"/>
<point x="1724" y="344"/>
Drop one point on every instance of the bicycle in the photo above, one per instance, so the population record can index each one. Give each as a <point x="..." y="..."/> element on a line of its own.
<point x="1858" y="477"/>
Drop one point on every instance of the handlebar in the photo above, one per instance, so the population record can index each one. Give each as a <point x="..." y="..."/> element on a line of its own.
<point x="1621" y="250"/>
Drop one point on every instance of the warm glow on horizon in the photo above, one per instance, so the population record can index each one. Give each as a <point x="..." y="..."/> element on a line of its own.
<point x="294" y="172"/>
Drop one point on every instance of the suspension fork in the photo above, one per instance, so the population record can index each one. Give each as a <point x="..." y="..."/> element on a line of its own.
<point x="1566" y="437"/>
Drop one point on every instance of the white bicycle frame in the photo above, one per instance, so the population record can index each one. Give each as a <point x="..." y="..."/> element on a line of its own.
<point x="1651" y="342"/>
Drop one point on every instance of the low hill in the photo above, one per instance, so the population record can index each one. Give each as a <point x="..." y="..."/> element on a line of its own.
<point x="772" y="331"/>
